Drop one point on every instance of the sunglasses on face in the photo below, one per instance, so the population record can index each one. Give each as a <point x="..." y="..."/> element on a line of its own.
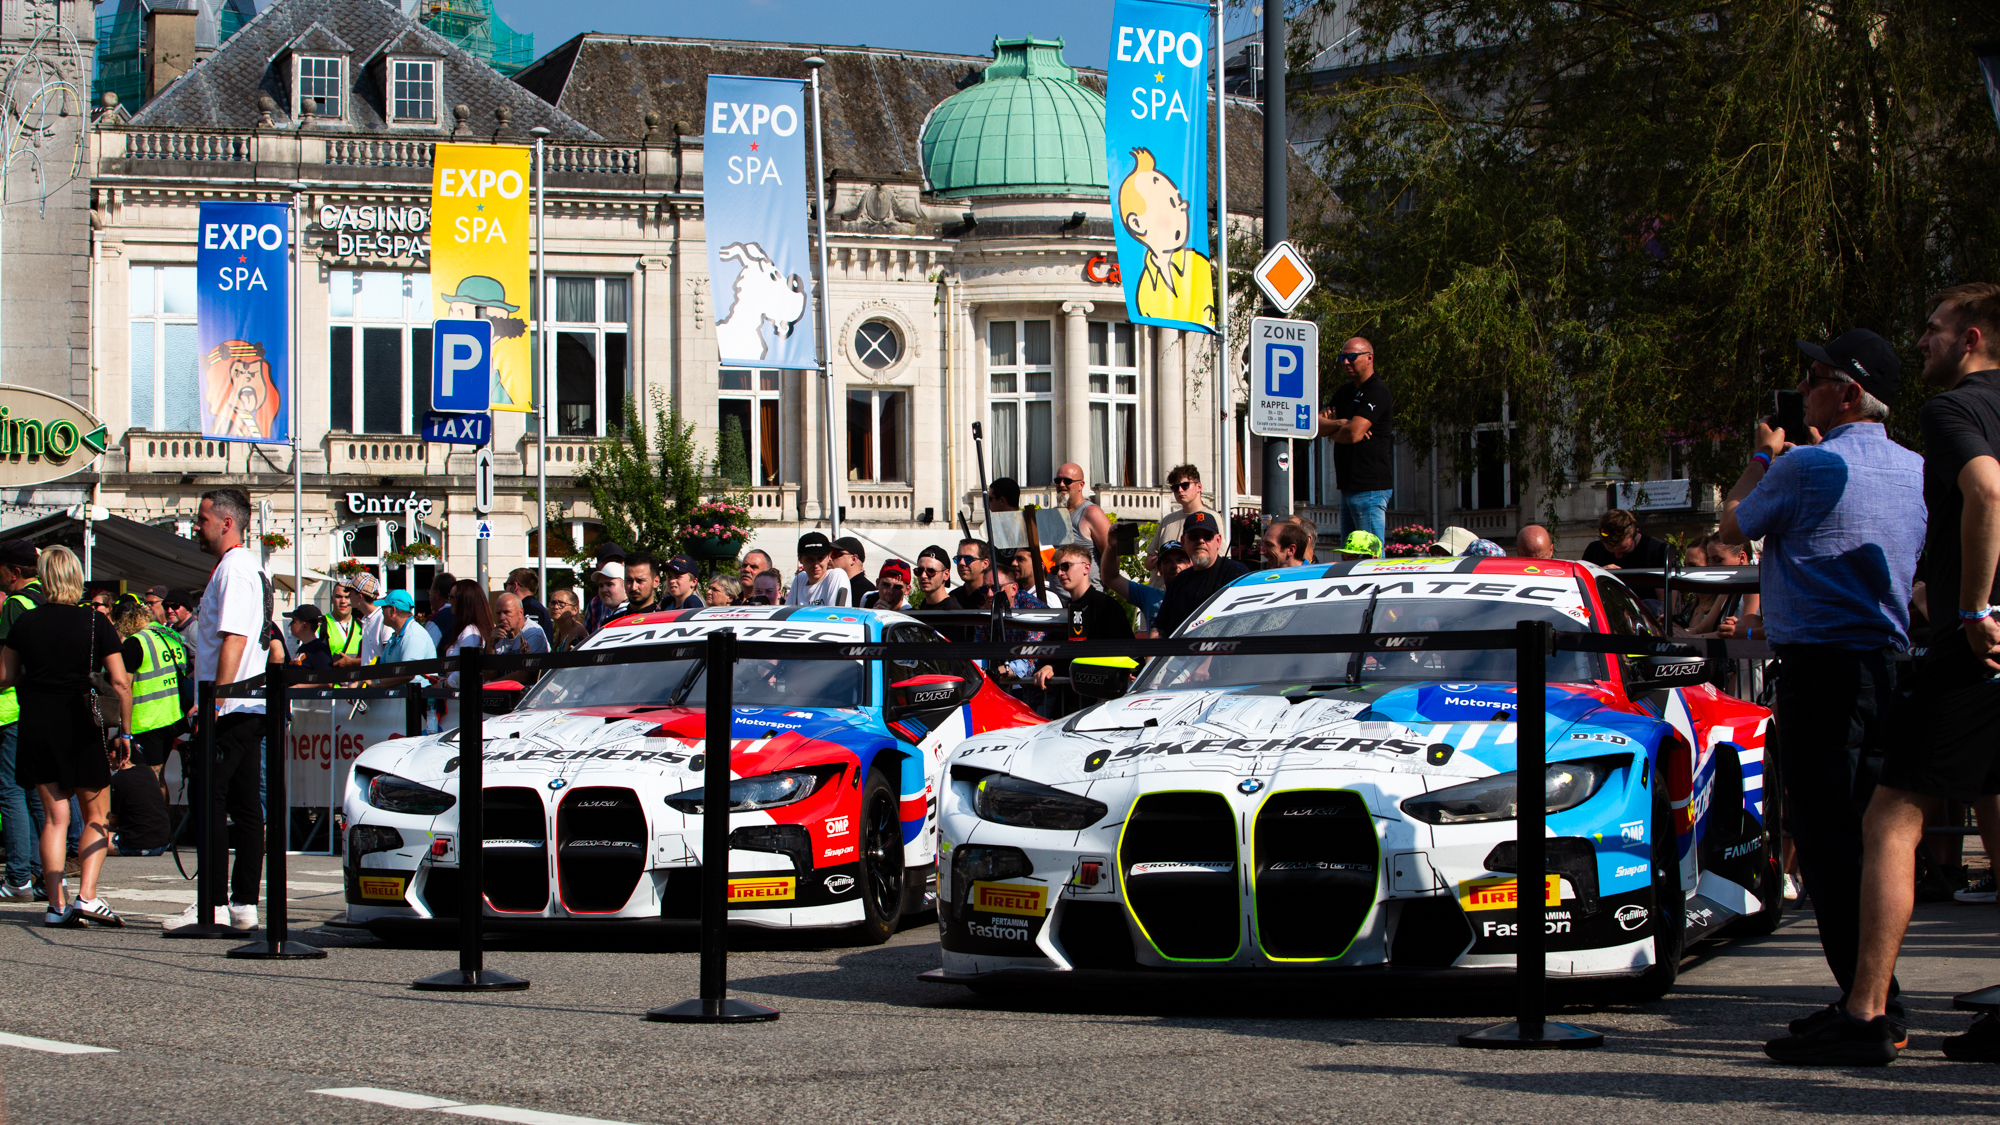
<point x="1064" y="567"/>
<point x="1184" y="485"/>
<point x="1198" y="536"/>
<point x="930" y="571"/>
<point x="1065" y="482"/>
<point x="1350" y="357"/>
<point x="966" y="560"/>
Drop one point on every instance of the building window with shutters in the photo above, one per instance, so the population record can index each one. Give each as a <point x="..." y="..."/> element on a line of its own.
<point x="378" y="351"/>
<point x="589" y="354"/>
<point x="749" y="434"/>
<point x="1114" y="405"/>
<point x="1020" y="372"/>
<point x="166" y="371"/>
<point x="876" y="435"/>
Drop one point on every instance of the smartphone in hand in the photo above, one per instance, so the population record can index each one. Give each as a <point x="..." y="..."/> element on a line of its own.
<point x="1788" y="413"/>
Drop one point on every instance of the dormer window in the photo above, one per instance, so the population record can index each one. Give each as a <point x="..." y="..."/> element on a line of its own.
<point x="413" y="96"/>
<point x="320" y="78"/>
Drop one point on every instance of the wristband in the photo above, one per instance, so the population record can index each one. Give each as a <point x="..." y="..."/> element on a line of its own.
<point x="1763" y="458"/>
<point x="1980" y="614"/>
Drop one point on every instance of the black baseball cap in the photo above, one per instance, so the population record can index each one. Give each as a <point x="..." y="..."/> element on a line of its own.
<point x="1864" y="357"/>
<point x="852" y="546"/>
<point x="814" y="543"/>
<point x="17" y="553"/>
<point x="1199" y="521"/>
<point x="309" y="614"/>
<point x="681" y="564"/>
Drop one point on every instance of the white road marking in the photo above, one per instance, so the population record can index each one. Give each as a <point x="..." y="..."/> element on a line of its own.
<point x="52" y="1046"/>
<point x="401" y="1100"/>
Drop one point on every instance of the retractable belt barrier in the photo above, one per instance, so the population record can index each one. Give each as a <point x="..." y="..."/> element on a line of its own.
<point x="1532" y="641"/>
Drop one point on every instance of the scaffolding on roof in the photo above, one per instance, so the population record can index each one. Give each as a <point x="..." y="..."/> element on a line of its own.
<point x="121" y="47"/>
<point x="473" y="26"/>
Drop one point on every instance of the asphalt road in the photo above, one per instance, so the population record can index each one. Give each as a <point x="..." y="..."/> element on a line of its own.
<point x="200" y="1039"/>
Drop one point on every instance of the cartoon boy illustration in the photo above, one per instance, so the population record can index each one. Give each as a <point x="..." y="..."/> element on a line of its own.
<point x="1177" y="283"/>
<point x="241" y="397"/>
<point x="478" y="297"/>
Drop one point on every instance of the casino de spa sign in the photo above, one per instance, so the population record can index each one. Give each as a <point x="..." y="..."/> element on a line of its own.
<point x="376" y="232"/>
<point x="44" y="437"/>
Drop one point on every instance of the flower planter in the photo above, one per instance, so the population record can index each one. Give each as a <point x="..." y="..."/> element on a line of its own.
<point x="714" y="547"/>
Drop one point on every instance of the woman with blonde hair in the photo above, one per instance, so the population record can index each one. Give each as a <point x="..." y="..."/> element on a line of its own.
<point x="48" y="657"/>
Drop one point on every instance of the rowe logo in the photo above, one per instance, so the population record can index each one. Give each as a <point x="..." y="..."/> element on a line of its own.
<point x="1500" y="894"/>
<point x="1010" y="898"/>
<point x="763" y="890"/>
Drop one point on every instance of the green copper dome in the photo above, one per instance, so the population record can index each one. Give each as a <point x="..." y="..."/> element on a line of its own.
<point x="1028" y="127"/>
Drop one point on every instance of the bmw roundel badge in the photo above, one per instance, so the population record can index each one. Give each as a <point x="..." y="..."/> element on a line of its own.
<point x="557" y="783"/>
<point x="1249" y="785"/>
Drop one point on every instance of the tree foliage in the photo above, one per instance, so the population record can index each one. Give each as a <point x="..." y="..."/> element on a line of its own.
<point x="645" y="487"/>
<point x="1621" y="216"/>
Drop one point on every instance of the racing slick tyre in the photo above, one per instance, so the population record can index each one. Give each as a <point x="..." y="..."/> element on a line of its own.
<point x="1669" y="905"/>
<point x="882" y="871"/>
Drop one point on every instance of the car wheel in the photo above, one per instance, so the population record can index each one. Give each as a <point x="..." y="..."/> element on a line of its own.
<point x="1770" y="868"/>
<point x="882" y="872"/>
<point x="1669" y="904"/>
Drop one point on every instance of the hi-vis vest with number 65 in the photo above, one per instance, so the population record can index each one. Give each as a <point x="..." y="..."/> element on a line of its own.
<point x="156" y="687"/>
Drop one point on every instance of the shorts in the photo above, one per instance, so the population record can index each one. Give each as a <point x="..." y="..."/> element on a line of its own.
<point x="1950" y="741"/>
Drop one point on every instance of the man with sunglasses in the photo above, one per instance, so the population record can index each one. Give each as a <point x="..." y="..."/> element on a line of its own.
<point x="1094" y="616"/>
<point x="817" y="583"/>
<point x="934" y="579"/>
<point x="1207" y="572"/>
<point x="1088" y="524"/>
<point x="1361" y="421"/>
<point x="1185" y="480"/>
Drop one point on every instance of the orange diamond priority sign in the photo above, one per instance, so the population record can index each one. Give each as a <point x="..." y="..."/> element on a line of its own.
<point x="1284" y="276"/>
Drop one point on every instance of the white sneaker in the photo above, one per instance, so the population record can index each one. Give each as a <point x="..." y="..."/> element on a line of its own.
<point x="1791" y="888"/>
<point x="99" y="911"/>
<point x="242" y="917"/>
<point x="188" y="917"/>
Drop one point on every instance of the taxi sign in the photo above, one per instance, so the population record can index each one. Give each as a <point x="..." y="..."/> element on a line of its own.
<point x="1284" y="378"/>
<point x="1284" y="276"/>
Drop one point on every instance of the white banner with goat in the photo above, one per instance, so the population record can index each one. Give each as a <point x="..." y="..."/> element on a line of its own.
<point x="754" y="207"/>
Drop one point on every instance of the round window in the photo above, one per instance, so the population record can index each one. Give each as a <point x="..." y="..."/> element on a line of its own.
<point x="877" y="345"/>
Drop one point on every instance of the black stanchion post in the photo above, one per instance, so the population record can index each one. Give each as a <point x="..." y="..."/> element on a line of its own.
<point x="276" y="945"/>
<point x="209" y="888"/>
<point x="472" y="975"/>
<point x="713" y="1006"/>
<point x="1534" y="644"/>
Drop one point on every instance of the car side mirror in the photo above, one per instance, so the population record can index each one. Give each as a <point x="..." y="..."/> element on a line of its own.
<point x="927" y="692"/>
<point x="1104" y="677"/>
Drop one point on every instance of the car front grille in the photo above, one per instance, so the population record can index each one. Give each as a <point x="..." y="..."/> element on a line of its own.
<point x="1318" y="865"/>
<point x="1177" y="866"/>
<point x="600" y="849"/>
<point x="516" y="854"/>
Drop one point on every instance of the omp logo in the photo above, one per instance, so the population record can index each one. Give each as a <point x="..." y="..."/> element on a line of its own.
<point x="1010" y="898"/>
<point x="1632" y="917"/>
<point x="1633" y="830"/>
<point x="763" y="890"/>
<point x="1637" y="869"/>
<point x="1500" y="894"/>
<point x="1176" y="867"/>
<point x="378" y="887"/>
<point x="836" y="826"/>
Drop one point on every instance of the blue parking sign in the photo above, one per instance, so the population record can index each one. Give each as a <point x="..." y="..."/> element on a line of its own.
<point x="462" y="365"/>
<point x="1284" y="384"/>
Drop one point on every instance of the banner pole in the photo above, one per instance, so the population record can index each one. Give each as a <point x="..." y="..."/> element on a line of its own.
<point x="814" y="63"/>
<point x="541" y="133"/>
<point x="1225" y="422"/>
<point x="714" y="1005"/>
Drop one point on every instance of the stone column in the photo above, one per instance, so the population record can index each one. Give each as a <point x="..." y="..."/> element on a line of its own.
<point x="1076" y="386"/>
<point x="810" y="469"/>
<point x="1170" y="366"/>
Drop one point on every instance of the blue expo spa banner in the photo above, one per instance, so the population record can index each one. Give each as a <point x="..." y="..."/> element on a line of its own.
<point x="243" y="308"/>
<point x="754" y="202"/>
<point x="1156" y="154"/>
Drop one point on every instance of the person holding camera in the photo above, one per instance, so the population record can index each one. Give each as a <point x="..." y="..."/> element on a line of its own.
<point x="1842" y="519"/>
<point x="49" y="657"/>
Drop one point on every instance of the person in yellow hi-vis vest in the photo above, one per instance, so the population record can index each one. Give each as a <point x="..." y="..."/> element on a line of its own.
<point x="20" y="809"/>
<point x="160" y="666"/>
<point x="343" y="627"/>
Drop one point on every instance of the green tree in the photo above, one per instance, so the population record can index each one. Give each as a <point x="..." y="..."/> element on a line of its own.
<point x="1620" y="216"/>
<point x="644" y="489"/>
<point x="732" y="454"/>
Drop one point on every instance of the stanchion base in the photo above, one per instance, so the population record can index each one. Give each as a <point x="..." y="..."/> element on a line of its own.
<point x="1554" y="1037"/>
<point x="458" y="980"/>
<point x="1981" y="1000"/>
<point x="208" y="930"/>
<point x="712" y="1011"/>
<point x="286" y="951"/>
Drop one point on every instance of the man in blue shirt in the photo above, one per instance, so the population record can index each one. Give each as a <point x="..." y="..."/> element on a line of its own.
<point x="407" y="640"/>
<point x="1842" y="523"/>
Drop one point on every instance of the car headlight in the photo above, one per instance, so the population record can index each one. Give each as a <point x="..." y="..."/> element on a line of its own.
<point x="390" y="793"/>
<point x="1006" y="799"/>
<point x="764" y="792"/>
<point x="1565" y="785"/>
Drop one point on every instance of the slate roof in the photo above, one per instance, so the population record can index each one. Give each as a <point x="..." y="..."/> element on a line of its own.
<point x="222" y="92"/>
<point x="876" y="99"/>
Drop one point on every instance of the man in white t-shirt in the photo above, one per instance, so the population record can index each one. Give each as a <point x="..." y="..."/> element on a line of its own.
<point x="817" y="583"/>
<point x="229" y="649"/>
<point x="374" y="629"/>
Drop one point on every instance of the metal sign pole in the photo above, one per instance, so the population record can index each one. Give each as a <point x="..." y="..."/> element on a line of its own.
<point x="714" y="1005"/>
<point x="1532" y="1031"/>
<point x="472" y="975"/>
<point x="276" y="945"/>
<point x="209" y="890"/>
<point x="1225" y="421"/>
<point x="540" y="415"/>
<point x="820" y="203"/>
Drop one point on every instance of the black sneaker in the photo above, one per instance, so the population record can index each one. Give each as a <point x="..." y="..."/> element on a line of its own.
<point x="1804" y="1025"/>
<point x="1981" y="1043"/>
<point x="1838" y="1039"/>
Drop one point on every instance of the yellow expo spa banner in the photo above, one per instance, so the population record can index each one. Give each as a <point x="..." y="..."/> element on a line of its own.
<point x="479" y="256"/>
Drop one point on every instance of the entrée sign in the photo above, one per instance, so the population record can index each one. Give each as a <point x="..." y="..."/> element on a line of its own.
<point x="378" y="231"/>
<point x="362" y="504"/>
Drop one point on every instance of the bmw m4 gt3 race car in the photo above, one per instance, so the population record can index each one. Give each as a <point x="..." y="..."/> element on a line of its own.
<point x="593" y="784"/>
<point x="1301" y="813"/>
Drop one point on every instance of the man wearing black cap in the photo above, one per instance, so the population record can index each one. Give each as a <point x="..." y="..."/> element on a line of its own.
<point x="817" y="583"/>
<point x="1207" y="572"/>
<point x="314" y="653"/>
<point x="851" y="559"/>
<point x="1842" y="522"/>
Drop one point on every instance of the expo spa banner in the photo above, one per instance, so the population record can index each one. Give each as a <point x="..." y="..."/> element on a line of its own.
<point x="243" y="310"/>
<point x="754" y="204"/>
<point x="1156" y="155"/>
<point x="479" y="256"/>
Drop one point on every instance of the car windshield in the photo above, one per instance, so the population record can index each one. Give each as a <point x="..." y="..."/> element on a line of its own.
<point x="1344" y="617"/>
<point x="757" y="683"/>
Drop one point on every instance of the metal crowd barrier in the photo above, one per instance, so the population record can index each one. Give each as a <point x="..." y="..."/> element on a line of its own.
<point x="1532" y="642"/>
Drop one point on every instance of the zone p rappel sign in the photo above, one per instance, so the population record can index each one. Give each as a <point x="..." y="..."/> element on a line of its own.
<point x="1284" y="378"/>
<point x="1284" y="276"/>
